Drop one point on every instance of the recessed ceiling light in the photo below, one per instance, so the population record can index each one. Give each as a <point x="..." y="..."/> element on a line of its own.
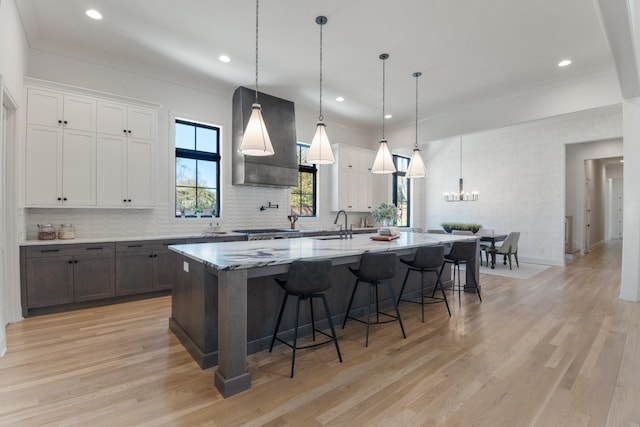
<point x="564" y="63"/>
<point x="388" y="116"/>
<point x="224" y="58"/>
<point x="93" y="14"/>
<point x="340" y="99"/>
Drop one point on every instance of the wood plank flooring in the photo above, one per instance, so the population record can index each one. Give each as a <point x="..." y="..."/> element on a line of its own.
<point x="559" y="349"/>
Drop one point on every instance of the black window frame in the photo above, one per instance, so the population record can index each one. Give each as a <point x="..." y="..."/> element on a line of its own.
<point x="396" y="174"/>
<point x="309" y="168"/>
<point x="199" y="155"/>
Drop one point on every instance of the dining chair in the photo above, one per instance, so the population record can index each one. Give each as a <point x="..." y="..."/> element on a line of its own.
<point x="436" y="231"/>
<point x="484" y="246"/>
<point x="507" y="248"/>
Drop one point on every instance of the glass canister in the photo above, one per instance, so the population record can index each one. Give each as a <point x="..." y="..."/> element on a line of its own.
<point x="46" y="232"/>
<point x="66" y="231"/>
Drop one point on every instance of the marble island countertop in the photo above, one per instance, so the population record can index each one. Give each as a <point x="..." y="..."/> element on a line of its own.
<point x="261" y="253"/>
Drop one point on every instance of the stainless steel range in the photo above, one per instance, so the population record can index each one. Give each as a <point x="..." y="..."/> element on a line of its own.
<point x="269" y="233"/>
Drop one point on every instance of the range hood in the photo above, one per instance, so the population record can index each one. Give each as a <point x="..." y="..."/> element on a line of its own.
<point x="279" y="170"/>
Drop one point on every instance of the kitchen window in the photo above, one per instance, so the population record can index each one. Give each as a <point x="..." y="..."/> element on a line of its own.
<point x="303" y="197"/>
<point x="402" y="190"/>
<point x="197" y="169"/>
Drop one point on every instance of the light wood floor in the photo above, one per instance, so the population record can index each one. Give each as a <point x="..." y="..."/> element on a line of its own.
<point x="557" y="349"/>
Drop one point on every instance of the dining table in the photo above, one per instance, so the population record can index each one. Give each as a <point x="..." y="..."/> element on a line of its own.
<point x="492" y="238"/>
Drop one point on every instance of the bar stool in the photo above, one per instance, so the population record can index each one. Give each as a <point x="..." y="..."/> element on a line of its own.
<point x="462" y="253"/>
<point x="428" y="259"/>
<point x="306" y="280"/>
<point x="375" y="269"/>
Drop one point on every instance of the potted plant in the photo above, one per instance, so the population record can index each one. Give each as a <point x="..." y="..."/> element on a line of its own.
<point x="450" y="226"/>
<point x="385" y="213"/>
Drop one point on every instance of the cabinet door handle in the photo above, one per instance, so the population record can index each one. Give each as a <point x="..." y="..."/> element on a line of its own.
<point x="49" y="250"/>
<point x="129" y="200"/>
<point x="97" y="248"/>
<point x="75" y="261"/>
<point x="66" y="122"/>
<point x="124" y="200"/>
<point x="155" y="255"/>
<point x="129" y="131"/>
<point x="59" y="199"/>
<point x="70" y="261"/>
<point x="124" y="130"/>
<point x="64" y="199"/>
<point x="134" y="246"/>
<point x="151" y="256"/>
<point x="59" y="122"/>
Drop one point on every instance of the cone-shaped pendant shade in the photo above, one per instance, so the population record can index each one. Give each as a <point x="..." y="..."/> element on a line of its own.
<point x="256" y="141"/>
<point x="384" y="161"/>
<point x="416" y="168"/>
<point x="320" y="151"/>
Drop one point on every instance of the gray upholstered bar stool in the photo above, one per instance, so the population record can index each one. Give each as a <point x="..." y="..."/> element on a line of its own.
<point x="306" y="280"/>
<point x="428" y="259"/>
<point x="375" y="269"/>
<point x="462" y="253"/>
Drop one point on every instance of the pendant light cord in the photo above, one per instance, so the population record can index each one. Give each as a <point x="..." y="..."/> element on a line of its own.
<point x="460" y="156"/>
<point x="257" y="9"/>
<point x="321" y="117"/>
<point x="416" y="75"/>
<point x="383" y="89"/>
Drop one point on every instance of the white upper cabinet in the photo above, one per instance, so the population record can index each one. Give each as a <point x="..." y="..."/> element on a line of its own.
<point x="85" y="151"/>
<point x="56" y="109"/>
<point x="60" y="167"/>
<point x="121" y="119"/>
<point x="352" y="181"/>
<point x="125" y="172"/>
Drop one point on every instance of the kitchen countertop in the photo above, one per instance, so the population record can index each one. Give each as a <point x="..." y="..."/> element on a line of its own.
<point x="303" y="232"/>
<point x="124" y="239"/>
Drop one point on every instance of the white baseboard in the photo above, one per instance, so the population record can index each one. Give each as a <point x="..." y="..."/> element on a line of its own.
<point x="3" y="344"/>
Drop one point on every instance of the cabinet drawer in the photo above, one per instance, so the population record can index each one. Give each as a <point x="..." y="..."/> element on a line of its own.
<point x="150" y="245"/>
<point x="67" y="250"/>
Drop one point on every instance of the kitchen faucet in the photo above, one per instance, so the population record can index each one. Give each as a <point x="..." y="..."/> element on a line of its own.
<point x="347" y="233"/>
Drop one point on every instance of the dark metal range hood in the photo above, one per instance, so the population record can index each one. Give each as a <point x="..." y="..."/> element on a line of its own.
<point x="279" y="170"/>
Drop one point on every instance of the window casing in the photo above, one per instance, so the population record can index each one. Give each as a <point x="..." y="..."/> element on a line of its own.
<point x="197" y="169"/>
<point x="304" y="196"/>
<point x="402" y="190"/>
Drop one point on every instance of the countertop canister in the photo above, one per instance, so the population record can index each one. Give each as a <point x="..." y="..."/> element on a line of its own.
<point x="66" y="231"/>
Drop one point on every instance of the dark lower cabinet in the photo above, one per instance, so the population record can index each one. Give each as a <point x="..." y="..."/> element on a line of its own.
<point x="49" y="281"/>
<point x="145" y="266"/>
<point x="64" y="274"/>
<point x="94" y="277"/>
<point x="59" y="277"/>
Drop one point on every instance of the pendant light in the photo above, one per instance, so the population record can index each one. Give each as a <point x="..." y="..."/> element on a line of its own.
<point x="256" y="141"/>
<point x="416" y="167"/>
<point x="320" y="151"/>
<point x="383" y="162"/>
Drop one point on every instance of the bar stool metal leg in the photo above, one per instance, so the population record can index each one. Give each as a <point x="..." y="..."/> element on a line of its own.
<point x="353" y="294"/>
<point x="333" y="329"/>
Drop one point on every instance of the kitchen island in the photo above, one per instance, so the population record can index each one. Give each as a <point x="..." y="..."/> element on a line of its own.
<point x="224" y="301"/>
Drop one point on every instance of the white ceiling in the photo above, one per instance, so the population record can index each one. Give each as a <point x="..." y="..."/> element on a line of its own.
<point x="469" y="51"/>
